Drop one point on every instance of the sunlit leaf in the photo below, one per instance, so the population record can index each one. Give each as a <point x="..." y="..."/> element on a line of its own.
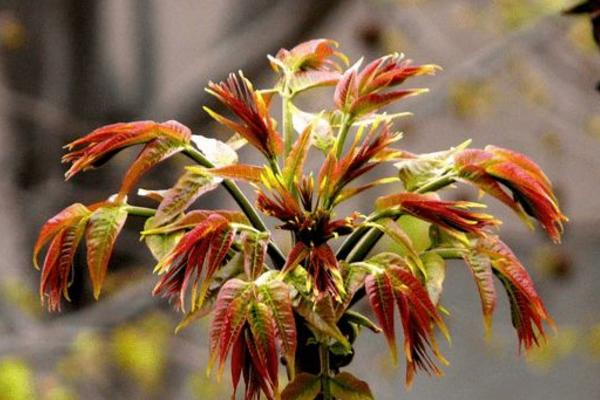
<point x="215" y="151"/>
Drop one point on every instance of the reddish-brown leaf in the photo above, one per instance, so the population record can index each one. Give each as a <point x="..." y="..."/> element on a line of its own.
<point x="91" y="150"/>
<point x="58" y="265"/>
<point x="481" y="268"/>
<point x="154" y="152"/>
<point x="450" y="215"/>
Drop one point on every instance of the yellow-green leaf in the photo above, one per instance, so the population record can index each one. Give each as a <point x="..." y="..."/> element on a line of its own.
<point x="345" y="386"/>
<point x="304" y="387"/>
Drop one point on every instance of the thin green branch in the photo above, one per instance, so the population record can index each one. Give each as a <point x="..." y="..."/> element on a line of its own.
<point x="345" y="126"/>
<point x="274" y="252"/>
<point x="358" y="234"/>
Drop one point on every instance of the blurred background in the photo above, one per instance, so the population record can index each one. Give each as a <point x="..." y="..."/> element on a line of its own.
<point x="516" y="74"/>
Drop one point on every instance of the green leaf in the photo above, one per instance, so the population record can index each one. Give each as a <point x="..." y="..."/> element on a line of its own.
<point x="361" y="320"/>
<point x="322" y="130"/>
<point x="417" y="230"/>
<point x="416" y="172"/>
<point x="161" y="244"/>
<point x="102" y="231"/>
<point x="436" y="273"/>
<point x="345" y="386"/>
<point x="303" y="387"/>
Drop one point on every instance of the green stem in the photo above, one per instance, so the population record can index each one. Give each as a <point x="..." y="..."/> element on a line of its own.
<point x="274" y="252"/>
<point x="288" y="127"/>
<point x="448" y="253"/>
<point x="325" y="372"/>
<point x="358" y="234"/>
<point x="140" y="211"/>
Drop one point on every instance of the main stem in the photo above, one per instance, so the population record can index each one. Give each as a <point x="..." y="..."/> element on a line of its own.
<point x="325" y="372"/>
<point x="244" y="204"/>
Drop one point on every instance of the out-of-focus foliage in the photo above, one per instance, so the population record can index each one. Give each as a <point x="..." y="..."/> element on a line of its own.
<point x="16" y="380"/>
<point x="140" y="349"/>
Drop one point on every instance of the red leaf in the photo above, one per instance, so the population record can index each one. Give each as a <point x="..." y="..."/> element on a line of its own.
<point x="102" y="143"/>
<point x="69" y="216"/>
<point x="375" y="101"/>
<point x="494" y="170"/>
<point x="450" y="215"/>
<point x="185" y="263"/>
<point x="230" y="291"/>
<point x="527" y="308"/>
